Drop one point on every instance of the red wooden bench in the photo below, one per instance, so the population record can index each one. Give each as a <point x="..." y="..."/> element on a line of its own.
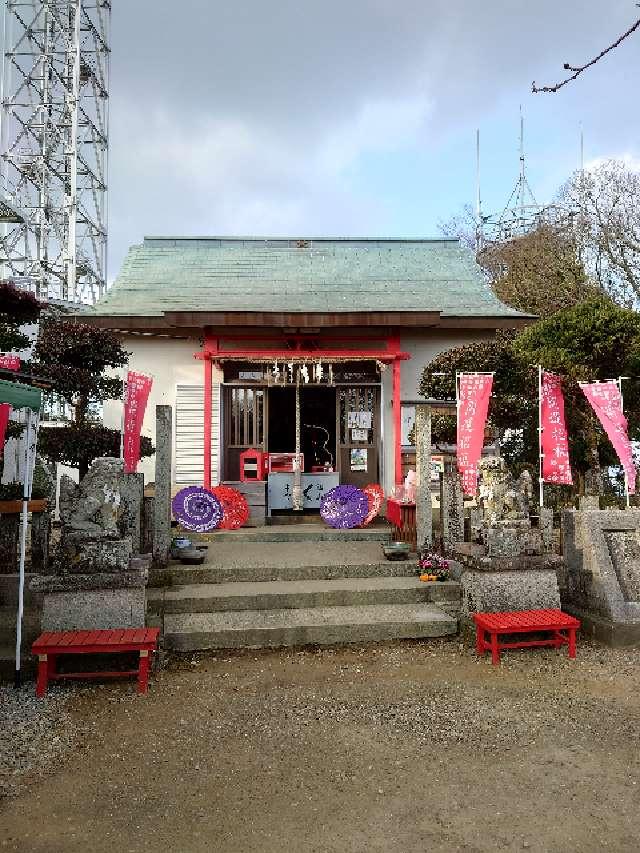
<point x="50" y="645"/>
<point x="524" y="622"/>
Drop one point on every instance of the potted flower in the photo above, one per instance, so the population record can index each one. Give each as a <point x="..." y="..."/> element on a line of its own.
<point x="432" y="567"/>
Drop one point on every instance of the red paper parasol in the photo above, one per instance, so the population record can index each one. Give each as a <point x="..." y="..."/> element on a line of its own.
<point x="234" y="507"/>
<point x="375" y="496"/>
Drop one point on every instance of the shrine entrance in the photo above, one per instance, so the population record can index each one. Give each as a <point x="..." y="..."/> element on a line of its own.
<point x="317" y="424"/>
<point x="340" y="420"/>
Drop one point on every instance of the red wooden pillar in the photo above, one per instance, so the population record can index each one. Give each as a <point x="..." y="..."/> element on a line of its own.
<point x="208" y="376"/>
<point x="397" y="423"/>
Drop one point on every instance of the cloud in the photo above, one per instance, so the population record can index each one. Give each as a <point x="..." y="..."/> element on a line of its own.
<point x="287" y="117"/>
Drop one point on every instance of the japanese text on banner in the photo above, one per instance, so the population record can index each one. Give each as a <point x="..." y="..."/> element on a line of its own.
<point x="555" y="444"/>
<point x="7" y="362"/>
<point x="474" y="392"/>
<point x="135" y="403"/>
<point x="606" y="402"/>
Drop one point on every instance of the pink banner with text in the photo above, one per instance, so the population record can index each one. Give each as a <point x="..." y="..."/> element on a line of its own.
<point x="135" y="403"/>
<point x="7" y="362"/>
<point x="606" y="402"/>
<point x="555" y="444"/>
<point x="474" y="391"/>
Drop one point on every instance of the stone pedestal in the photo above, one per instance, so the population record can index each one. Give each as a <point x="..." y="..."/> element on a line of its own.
<point x="602" y="572"/>
<point x="88" y="602"/>
<point x="500" y="583"/>
<point x="79" y="553"/>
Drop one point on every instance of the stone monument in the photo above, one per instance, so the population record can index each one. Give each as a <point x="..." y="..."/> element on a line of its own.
<point x="602" y="572"/>
<point x="424" y="518"/>
<point x="451" y="510"/>
<point x="162" y="498"/>
<point x="96" y="582"/>
<point x="509" y="564"/>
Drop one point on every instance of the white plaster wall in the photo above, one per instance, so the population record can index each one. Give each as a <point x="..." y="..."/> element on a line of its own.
<point x="423" y="347"/>
<point x="169" y="361"/>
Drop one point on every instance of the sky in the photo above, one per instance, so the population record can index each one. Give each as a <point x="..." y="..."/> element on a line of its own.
<point x="353" y="118"/>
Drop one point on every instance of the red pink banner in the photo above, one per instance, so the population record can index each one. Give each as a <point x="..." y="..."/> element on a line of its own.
<point x="606" y="402"/>
<point x="10" y="362"/>
<point x="7" y="362"/>
<point x="135" y="403"/>
<point x="474" y="391"/>
<point x="555" y="445"/>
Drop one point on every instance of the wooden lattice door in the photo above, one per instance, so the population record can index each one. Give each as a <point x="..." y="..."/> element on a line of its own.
<point x="243" y="425"/>
<point x="358" y="429"/>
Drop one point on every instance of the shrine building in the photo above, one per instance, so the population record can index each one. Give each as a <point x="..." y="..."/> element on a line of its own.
<point x="253" y="339"/>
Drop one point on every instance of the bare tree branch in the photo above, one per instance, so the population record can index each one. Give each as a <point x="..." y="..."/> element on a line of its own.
<point x="580" y="68"/>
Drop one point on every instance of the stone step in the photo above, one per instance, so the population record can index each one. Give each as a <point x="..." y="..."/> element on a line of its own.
<point x="28" y="664"/>
<point x="179" y="575"/>
<point x="287" y="595"/>
<point x="9" y="590"/>
<point x="30" y="625"/>
<point x="297" y="533"/>
<point x="305" y="626"/>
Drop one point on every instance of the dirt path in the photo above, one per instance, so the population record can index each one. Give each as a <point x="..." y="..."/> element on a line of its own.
<point x="409" y="747"/>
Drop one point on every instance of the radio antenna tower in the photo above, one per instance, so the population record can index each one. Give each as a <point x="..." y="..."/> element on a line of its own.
<point x="53" y="147"/>
<point x="521" y="214"/>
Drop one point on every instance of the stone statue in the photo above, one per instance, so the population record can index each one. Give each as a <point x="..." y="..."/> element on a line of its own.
<point x="502" y="498"/>
<point x="93" y="507"/>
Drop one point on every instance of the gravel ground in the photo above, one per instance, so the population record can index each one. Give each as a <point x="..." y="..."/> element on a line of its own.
<point x="403" y="747"/>
<point x="34" y="735"/>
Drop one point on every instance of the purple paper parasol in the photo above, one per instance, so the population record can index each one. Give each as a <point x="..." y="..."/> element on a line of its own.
<point x="197" y="509"/>
<point x="344" y="507"/>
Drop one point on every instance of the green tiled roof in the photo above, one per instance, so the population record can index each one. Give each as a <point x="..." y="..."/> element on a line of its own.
<point x="324" y="275"/>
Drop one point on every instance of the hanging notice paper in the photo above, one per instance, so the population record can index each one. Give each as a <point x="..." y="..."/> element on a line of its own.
<point x="135" y="403"/>
<point x="358" y="459"/>
<point x="606" y="402"/>
<point x="359" y="435"/>
<point x="359" y="420"/>
<point x="474" y="392"/>
<point x="555" y="445"/>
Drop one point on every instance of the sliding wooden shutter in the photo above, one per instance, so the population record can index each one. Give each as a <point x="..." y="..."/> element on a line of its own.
<point x="189" y="447"/>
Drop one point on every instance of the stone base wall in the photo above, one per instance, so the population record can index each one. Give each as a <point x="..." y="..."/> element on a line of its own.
<point x="93" y="609"/>
<point x="602" y="556"/>
<point x="500" y="591"/>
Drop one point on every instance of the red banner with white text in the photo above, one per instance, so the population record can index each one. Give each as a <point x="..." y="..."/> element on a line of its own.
<point x="555" y="445"/>
<point x="135" y="403"/>
<point x="474" y="391"/>
<point x="606" y="402"/>
<point x="7" y="362"/>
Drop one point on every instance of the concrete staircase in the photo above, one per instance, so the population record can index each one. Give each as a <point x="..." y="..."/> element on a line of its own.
<point x="288" y="587"/>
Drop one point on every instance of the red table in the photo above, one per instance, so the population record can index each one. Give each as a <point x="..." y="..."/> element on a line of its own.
<point x="523" y="622"/>
<point x="402" y="516"/>
<point x="51" y="644"/>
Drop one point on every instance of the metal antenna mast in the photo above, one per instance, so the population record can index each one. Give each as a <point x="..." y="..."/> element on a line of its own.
<point x="479" y="223"/>
<point x="522" y="213"/>
<point x="53" y="147"/>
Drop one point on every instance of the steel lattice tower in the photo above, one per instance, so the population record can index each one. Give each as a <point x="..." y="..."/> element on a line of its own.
<point x="53" y="147"/>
